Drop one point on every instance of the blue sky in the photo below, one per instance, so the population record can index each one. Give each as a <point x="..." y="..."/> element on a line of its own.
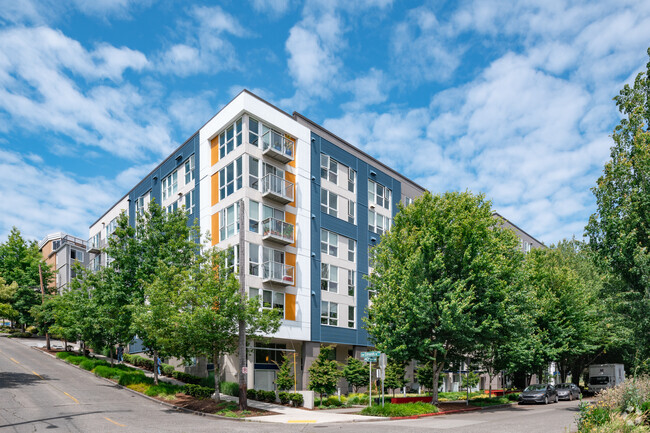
<point x="513" y="99"/>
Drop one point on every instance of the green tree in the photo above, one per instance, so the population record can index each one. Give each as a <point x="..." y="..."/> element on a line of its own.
<point x="440" y="273"/>
<point x="470" y="380"/>
<point x="356" y="373"/>
<point x="394" y="376"/>
<point x="285" y="379"/>
<point x="19" y="262"/>
<point x="72" y="314"/>
<point x="6" y="298"/>
<point x="324" y="373"/>
<point x="619" y="231"/>
<point x="424" y="376"/>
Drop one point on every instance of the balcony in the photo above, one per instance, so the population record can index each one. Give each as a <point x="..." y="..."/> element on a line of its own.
<point x="277" y="147"/>
<point x="95" y="246"/>
<point x="276" y="188"/>
<point x="278" y="231"/>
<point x="274" y="272"/>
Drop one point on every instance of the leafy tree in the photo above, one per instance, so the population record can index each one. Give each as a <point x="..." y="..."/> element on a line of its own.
<point x="619" y="231"/>
<point x="6" y="297"/>
<point x="43" y="315"/>
<point x="440" y="274"/>
<point x="424" y="376"/>
<point x="394" y="376"/>
<point x="285" y="379"/>
<point x="356" y="373"/>
<point x="470" y="380"/>
<point x="73" y="314"/>
<point x="19" y="261"/>
<point x="324" y="373"/>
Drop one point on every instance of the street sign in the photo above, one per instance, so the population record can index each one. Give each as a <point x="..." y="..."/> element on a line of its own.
<point x="244" y="370"/>
<point x="382" y="361"/>
<point x="374" y="354"/>
<point x="372" y="359"/>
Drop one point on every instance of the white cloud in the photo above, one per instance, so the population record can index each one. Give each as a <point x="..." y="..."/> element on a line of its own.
<point x="39" y="87"/>
<point x="369" y="89"/>
<point x="47" y="11"/>
<point x="274" y="7"/>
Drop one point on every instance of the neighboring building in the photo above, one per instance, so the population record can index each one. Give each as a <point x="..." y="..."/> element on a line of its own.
<point x="60" y="251"/>
<point x="314" y="205"/>
<point x="526" y="241"/>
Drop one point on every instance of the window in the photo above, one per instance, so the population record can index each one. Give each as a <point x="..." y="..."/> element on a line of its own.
<point x="352" y="246"/>
<point x="351" y="206"/>
<point x="230" y="138"/>
<point x="267" y="212"/>
<point x="110" y="228"/>
<point x="254" y="259"/>
<point x="329" y="202"/>
<point x="268" y="299"/>
<point x="232" y="258"/>
<point x="253" y="172"/>
<point x="329" y="313"/>
<point x="407" y="201"/>
<point x="170" y="185"/>
<point x="139" y="205"/>
<point x="56" y="244"/>
<point x="190" y="201"/>
<point x="172" y="207"/>
<point x="328" y="168"/>
<point x="329" y="243"/>
<point x="189" y="169"/>
<point x="230" y="178"/>
<point x="76" y="255"/>
<point x="329" y="278"/>
<point x="94" y="241"/>
<point x="351" y="283"/>
<point x="95" y="263"/>
<point x="378" y="194"/>
<point x="350" y="317"/>
<point x="352" y="178"/>
<point x="228" y="224"/>
<point x="253" y="131"/>
<point x="377" y="223"/>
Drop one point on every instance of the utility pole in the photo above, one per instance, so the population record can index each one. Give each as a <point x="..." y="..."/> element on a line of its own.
<point x="243" y="369"/>
<point x="40" y="276"/>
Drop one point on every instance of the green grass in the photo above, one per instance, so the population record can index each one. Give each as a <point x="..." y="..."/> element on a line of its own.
<point x="406" y="409"/>
<point x="228" y="408"/>
<point x="482" y="402"/>
<point x="462" y="395"/>
<point x="163" y="389"/>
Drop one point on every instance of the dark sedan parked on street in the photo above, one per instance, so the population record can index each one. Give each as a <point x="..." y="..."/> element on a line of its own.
<point x="539" y="393"/>
<point x="567" y="391"/>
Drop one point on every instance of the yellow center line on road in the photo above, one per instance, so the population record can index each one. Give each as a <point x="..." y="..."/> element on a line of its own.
<point x="15" y="361"/>
<point x="37" y="374"/>
<point x="75" y="400"/>
<point x="301" y="420"/>
<point x="116" y="423"/>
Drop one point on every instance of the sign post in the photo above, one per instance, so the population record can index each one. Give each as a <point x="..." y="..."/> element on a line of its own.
<point x="382" y="367"/>
<point x="371" y="357"/>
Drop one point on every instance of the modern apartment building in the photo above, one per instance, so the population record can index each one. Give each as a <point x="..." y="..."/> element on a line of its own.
<point x="60" y="251"/>
<point x="314" y="205"/>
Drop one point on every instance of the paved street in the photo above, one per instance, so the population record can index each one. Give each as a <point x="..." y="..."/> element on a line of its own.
<point x="38" y="393"/>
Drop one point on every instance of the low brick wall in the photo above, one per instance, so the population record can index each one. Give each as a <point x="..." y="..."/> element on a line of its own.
<point x="401" y="400"/>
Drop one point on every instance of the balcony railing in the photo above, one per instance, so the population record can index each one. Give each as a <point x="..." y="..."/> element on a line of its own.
<point x="277" y="146"/>
<point x="95" y="245"/>
<point x="276" y="230"/>
<point x="277" y="188"/>
<point x="274" y="272"/>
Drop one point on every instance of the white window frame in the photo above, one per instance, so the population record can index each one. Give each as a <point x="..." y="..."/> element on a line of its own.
<point x="189" y="170"/>
<point x="254" y="260"/>
<point x="254" y="135"/>
<point x="329" y="278"/>
<point x="170" y="185"/>
<point x="351" y="316"/>
<point x="352" y="250"/>
<point x="329" y="243"/>
<point x="230" y="138"/>
<point x="352" y="282"/>
<point x="330" y="169"/>
<point x="378" y="223"/>
<point x="228" y="227"/>
<point x="351" y="212"/>
<point x="352" y="179"/>
<point x="326" y="316"/>
<point x="190" y="201"/>
<point x="232" y="258"/>
<point x="330" y="206"/>
<point x="383" y="200"/>
<point x="230" y="178"/>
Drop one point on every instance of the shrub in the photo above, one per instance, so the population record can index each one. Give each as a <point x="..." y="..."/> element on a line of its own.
<point x="107" y="372"/>
<point x="131" y="377"/>
<point x="251" y="394"/>
<point x="513" y="397"/>
<point x="268" y="396"/>
<point x="76" y="360"/>
<point x="230" y="388"/>
<point x="333" y="400"/>
<point x="64" y="355"/>
<point x="87" y="364"/>
<point x="187" y="378"/>
<point x="128" y="358"/>
<point x="406" y="409"/>
<point x="163" y="389"/>
<point x="167" y="369"/>
<point x="197" y="391"/>
<point x="284" y="397"/>
<point x="32" y="330"/>
<point x="297" y="399"/>
<point x="592" y="415"/>
<point x="481" y="402"/>
<point x="20" y="335"/>
<point x="645" y="407"/>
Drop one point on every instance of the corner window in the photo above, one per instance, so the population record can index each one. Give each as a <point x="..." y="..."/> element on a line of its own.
<point x="228" y="224"/>
<point x="230" y="178"/>
<point x="253" y="131"/>
<point x="230" y="138"/>
<point x="377" y="223"/>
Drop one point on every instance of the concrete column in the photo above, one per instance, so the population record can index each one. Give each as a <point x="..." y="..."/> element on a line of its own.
<point x="309" y="353"/>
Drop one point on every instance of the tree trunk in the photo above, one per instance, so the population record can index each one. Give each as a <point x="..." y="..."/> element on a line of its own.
<point x="490" y="384"/>
<point x="47" y="341"/>
<point x="155" y="367"/>
<point x="110" y="353"/>
<point x="217" y="376"/>
<point x="65" y="344"/>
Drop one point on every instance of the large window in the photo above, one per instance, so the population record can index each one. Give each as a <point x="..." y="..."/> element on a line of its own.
<point x="351" y="282"/>
<point x="255" y="210"/>
<point x="350" y="316"/>
<point x="378" y="194"/>
<point x="232" y="258"/>
<point x="140" y="203"/>
<point x="351" y="211"/>
<point x="269" y="300"/>
<point x="76" y="255"/>
<point x="190" y="201"/>
<point x="329" y="313"/>
<point x="328" y="168"/>
<point x="228" y="222"/>
<point x="253" y="172"/>
<point x="329" y="243"/>
<point x="110" y="228"/>
<point x="377" y="223"/>
<point x="172" y="207"/>
<point x="254" y="259"/>
<point x="329" y="278"/>
<point x="253" y="131"/>
<point x="230" y="178"/>
<point x="230" y="138"/>
<point x="189" y="169"/>
<point x="352" y="178"/>
<point x="329" y="202"/>
<point x="352" y="246"/>
<point x="170" y="185"/>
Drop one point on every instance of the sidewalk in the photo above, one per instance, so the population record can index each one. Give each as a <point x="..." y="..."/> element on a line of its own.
<point x="292" y="415"/>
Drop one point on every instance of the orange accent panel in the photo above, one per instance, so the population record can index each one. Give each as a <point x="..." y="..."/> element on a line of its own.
<point x="214" y="151"/>
<point x="289" y="306"/>
<point x="291" y="219"/>
<point x="292" y="178"/>
<point x="215" y="188"/>
<point x="215" y="228"/>
<point x="292" y="163"/>
<point x="291" y="261"/>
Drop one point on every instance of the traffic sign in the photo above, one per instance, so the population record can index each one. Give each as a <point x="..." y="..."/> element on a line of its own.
<point x="382" y="361"/>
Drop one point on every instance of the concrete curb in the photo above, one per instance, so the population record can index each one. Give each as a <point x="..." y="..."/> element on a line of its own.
<point x="449" y="412"/>
<point x="177" y="408"/>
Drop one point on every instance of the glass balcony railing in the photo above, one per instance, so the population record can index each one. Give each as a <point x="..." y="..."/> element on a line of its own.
<point x="277" y="188"/>
<point x="277" y="273"/>
<point x="95" y="244"/>
<point x="276" y="230"/>
<point x="277" y="146"/>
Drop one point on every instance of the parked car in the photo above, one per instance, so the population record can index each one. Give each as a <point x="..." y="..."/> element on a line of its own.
<point x="567" y="391"/>
<point x="538" y="393"/>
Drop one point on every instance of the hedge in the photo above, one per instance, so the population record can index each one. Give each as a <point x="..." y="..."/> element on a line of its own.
<point x="405" y="409"/>
<point x="198" y="391"/>
<point x="230" y="388"/>
<point x="64" y="355"/>
<point x="187" y="378"/>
